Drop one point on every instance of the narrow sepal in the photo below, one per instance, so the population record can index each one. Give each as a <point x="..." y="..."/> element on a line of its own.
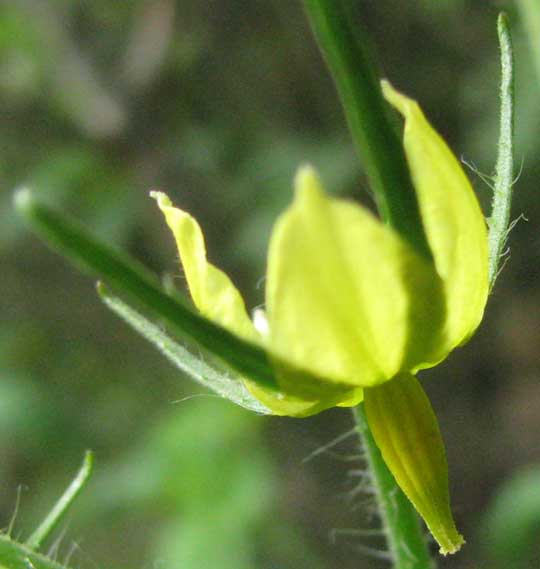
<point x="406" y="431"/>
<point x="224" y="382"/>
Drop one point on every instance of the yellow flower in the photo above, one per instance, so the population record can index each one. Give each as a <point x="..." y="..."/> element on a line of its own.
<point x="356" y="311"/>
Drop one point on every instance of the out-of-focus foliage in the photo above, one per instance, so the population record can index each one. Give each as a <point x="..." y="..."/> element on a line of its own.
<point x="217" y="103"/>
<point x="512" y="521"/>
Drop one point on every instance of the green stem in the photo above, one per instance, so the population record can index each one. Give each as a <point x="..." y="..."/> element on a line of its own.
<point x="499" y="222"/>
<point x="401" y="524"/>
<point x="54" y="517"/>
<point x="346" y="50"/>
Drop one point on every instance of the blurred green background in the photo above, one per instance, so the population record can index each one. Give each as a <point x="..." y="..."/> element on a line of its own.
<point x="217" y="103"/>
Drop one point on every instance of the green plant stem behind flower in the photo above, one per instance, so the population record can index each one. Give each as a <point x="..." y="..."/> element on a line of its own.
<point x="346" y="49"/>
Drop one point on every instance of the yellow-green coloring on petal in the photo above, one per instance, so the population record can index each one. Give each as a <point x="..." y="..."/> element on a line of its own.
<point x="352" y="311"/>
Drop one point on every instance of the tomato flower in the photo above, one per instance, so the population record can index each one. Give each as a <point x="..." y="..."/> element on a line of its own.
<point x="354" y="306"/>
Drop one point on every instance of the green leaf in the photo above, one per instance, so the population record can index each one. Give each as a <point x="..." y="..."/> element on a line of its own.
<point x="219" y="381"/>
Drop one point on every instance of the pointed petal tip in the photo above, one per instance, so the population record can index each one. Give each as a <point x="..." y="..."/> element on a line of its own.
<point x="386" y="86"/>
<point x="305" y="170"/>
<point x="398" y="100"/>
<point x="307" y="182"/>
<point x="161" y="198"/>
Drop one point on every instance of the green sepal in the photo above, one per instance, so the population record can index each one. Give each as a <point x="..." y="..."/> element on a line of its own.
<point x="406" y="431"/>
<point x="221" y="381"/>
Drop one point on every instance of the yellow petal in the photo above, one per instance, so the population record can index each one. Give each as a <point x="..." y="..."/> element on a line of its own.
<point x="347" y="299"/>
<point x="454" y="223"/>
<point x="218" y="299"/>
<point x="291" y="406"/>
<point x="406" y="431"/>
<point x="211" y="290"/>
<point x="355" y="397"/>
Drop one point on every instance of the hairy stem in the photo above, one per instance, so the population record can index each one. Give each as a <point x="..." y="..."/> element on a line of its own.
<point x="499" y="222"/>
